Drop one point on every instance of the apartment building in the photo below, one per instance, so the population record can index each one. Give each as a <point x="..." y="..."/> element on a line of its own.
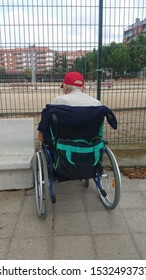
<point x="19" y="59"/>
<point x="41" y="58"/>
<point x="70" y="56"/>
<point x="134" y="30"/>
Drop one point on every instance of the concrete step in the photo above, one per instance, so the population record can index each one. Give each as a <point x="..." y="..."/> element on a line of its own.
<point x="17" y="148"/>
<point x="16" y="179"/>
<point x="130" y="154"/>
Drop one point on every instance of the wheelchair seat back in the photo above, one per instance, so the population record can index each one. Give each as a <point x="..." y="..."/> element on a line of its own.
<point x="85" y="131"/>
<point x="75" y="138"/>
<point x="77" y="149"/>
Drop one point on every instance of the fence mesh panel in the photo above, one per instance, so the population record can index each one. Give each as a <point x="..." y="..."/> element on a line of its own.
<point x="41" y="40"/>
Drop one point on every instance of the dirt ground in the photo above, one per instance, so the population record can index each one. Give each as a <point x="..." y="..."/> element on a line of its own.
<point x="28" y="102"/>
<point x="127" y="98"/>
<point x="134" y="172"/>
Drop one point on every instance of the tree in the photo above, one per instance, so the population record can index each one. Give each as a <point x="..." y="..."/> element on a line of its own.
<point x="137" y="53"/>
<point x="86" y="64"/>
<point x="92" y="64"/>
<point x="80" y="65"/>
<point x="2" y="73"/>
<point x="28" y="74"/>
<point x="116" y="56"/>
<point x="56" y="63"/>
<point x="64" y="64"/>
<point x="2" y="69"/>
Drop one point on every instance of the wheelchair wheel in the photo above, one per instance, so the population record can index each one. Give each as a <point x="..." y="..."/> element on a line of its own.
<point x="41" y="184"/>
<point x="110" y="180"/>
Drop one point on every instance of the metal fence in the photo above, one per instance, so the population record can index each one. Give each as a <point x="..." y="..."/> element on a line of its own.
<point x="40" y="40"/>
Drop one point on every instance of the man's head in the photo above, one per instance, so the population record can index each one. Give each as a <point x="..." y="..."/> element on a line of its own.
<point x="73" y="80"/>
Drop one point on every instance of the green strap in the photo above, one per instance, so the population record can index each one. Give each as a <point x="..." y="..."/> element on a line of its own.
<point x="82" y="141"/>
<point x="83" y="150"/>
<point x="97" y="153"/>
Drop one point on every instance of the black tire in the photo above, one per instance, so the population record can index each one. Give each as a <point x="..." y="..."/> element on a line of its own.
<point x="45" y="203"/>
<point x="41" y="184"/>
<point x="110" y="180"/>
<point x="38" y="183"/>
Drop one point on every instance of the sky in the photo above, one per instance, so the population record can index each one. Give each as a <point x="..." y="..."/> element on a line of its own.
<point x="65" y="24"/>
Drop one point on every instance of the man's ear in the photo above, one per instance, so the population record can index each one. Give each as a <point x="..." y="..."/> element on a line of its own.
<point x="65" y="87"/>
<point x="83" y="89"/>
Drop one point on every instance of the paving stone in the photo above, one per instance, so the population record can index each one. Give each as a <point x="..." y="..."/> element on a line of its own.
<point x="11" y="202"/>
<point x="78" y="225"/>
<point x="4" y="242"/>
<point x="107" y="222"/>
<point x="73" y="247"/>
<point x="71" y="223"/>
<point x="93" y="202"/>
<point x="7" y="224"/>
<point x="115" y="247"/>
<point x="140" y="240"/>
<point x="136" y="219"/>
<point x="34" y="248"/>
<point x="69" y="203"/>
<point x="32" y="225"/>
<point x="132" y="200"/>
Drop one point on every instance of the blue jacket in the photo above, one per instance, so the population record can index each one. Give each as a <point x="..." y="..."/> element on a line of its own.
<point x="74" y="115"/>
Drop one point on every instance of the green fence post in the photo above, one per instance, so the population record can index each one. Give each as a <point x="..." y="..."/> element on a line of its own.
<point x="99" y="57"/>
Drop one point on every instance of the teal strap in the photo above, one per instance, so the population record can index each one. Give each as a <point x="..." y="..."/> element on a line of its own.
<point x="52" y="135"/>
<point x="82" y="150"/>
<point x="97" y="153"/>
<point x="68" y="155"/>
<point x="82" y="141"/>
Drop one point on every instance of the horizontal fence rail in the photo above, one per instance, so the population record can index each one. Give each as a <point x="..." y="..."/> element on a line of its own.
<point x="41" y="40"/>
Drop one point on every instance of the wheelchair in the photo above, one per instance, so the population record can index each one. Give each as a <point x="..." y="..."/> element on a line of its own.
<point x="75" y="149"/>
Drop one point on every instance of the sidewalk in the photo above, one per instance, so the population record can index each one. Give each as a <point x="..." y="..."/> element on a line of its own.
<point x="77" y="227"/>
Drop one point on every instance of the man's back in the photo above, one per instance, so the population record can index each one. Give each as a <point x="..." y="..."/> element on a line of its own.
<point x="73" y="87"/>
<point x="76" y="98"/>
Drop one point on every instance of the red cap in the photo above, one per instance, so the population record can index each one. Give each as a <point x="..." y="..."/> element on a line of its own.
<point x="73" y="79"/>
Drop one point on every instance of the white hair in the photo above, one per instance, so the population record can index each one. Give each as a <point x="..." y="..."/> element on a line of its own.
<point x="70" y="88"/>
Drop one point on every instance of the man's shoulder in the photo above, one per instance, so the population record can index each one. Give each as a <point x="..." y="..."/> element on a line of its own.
<point x="58" y="99"/>
<point x="93" y="101"/>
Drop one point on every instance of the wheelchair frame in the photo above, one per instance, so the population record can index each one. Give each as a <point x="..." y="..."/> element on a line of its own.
<point x="107" y="181"/>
